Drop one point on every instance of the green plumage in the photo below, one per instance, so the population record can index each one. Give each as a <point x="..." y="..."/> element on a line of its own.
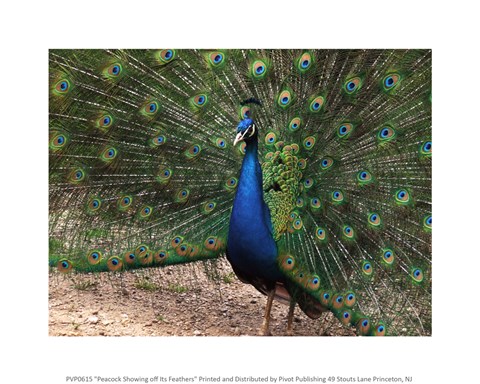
<point x="143" y="171"/>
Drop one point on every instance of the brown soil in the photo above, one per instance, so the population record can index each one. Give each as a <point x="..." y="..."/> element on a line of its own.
<point x="188" y="300"/>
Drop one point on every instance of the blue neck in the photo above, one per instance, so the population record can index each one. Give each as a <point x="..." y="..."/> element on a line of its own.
<point x="249" y="198"/>
<point x="251" y="246"/>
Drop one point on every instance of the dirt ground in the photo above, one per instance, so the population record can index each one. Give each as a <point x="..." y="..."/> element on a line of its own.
<point x="189" y="300"/>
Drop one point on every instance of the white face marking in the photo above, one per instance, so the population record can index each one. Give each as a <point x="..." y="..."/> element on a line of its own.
<point x="253" y="130"/>
<point x="241" y="135"/>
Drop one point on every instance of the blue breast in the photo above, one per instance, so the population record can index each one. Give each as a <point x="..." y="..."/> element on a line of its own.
<point x="251" y="247"/>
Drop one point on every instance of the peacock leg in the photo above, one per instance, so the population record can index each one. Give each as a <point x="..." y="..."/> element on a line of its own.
<point x="266" y="319"/>
<point x="290" y="318"/>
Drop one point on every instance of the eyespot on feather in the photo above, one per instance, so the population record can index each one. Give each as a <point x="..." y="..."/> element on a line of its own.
<point x="58" y="141"/>
<point x="193" y="151"/>
<point x="129" y="257"/>
<point x="313" y="283"/>
<point x="231" y="183"/>
<point x="363" y="326"/>
<point x="216" y="59"/>
<point x="270" y="138"/>
<point x="77" y="176"/>
<point x="386" y="134"/>
<point x="402" y="197"/>
<point x="199" y="101"/>
<point x="427" y="223"/>
<point x="114" y="263"/>
<point x="337" y="302"/>
<point x="61" y="87"/>
<point x="160" y="256"/>
<point x="367" y="268"/>
<point x="287" y="263"/>
<point x="182" y="195"/>
<point x="93" y="205"/>
<point x="417" y="275"/>
<point x="113" y="71"/>
<point x="316" y="104"/>
<point x="176" y="241"/>
<point x="326" y="163"/>
<point x="337" y="197"/>
<point x="163" y="175"/>
<point x="158" y="140"/>
<point x="374" y="219"/>
<point x="352" y="85"/>
<point x="345" y="130"/>
<point x="379" y="330"/>
<point x="108" y="155"/>
<point x="208" y="207"/>
<point x="64" y="266"/>
<point x="284" y="99"/>
<point x="309" y="142"/>
<point x="321" y="234"/>
<point x="391" y="81"/>
<point x="145" y="212"/>
<point x="304" y="62"/>
<point x="388" y="256"/>
<point x="151" y="108"/>
<point x="350" y="299"/>
<point x="364" y="177"/>
<point x="326" y="299"/>
<point x="345" y="317"/>
<point x="259" y="69"/>
<point x="94" y="257"/>
<point x="295" y="124"/>
<point x="124" y="202"/>
<point x="165" y="56"/>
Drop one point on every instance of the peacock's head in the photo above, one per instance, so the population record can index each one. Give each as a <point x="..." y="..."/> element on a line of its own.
<point x="246" y="130"/>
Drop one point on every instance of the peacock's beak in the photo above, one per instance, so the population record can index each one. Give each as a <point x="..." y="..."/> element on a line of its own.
<point x="240" y="135"/>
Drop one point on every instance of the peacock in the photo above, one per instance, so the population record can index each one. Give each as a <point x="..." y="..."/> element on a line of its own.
<point x="309" y="170"/>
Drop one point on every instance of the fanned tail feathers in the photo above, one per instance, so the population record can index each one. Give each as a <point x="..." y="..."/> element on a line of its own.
<point x="143" y="171"/>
